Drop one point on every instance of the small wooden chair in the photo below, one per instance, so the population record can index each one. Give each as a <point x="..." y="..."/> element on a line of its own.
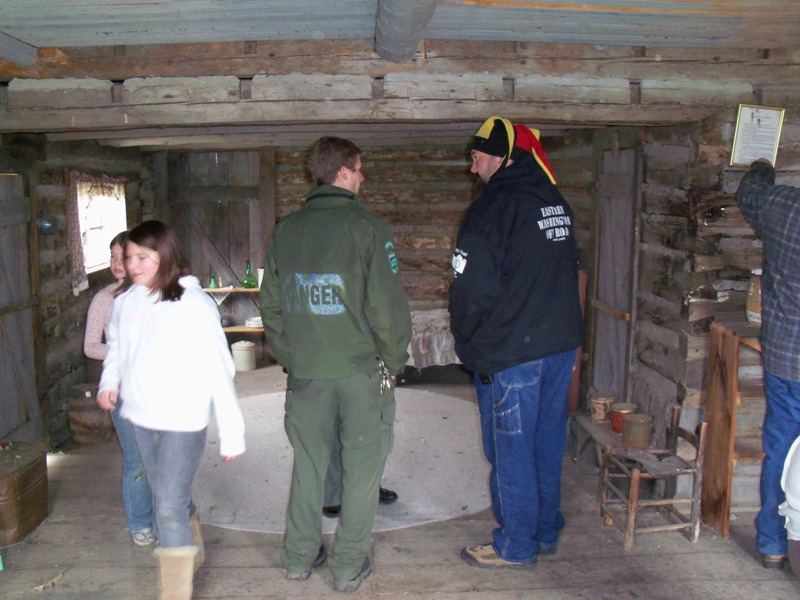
<point x="619" y="464"/>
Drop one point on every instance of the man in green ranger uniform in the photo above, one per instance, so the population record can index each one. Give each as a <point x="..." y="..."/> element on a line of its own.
<point x="336" y="315"/>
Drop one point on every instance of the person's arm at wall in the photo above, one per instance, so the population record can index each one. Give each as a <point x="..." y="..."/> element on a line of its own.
<point x="108" y="388"/>
<point x="749" y="195"/>
<point x="96" y="322"/>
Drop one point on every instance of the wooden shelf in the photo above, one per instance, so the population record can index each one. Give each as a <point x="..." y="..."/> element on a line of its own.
<point x="220" y="294"/>
<point x="242" y="329"/>
<point x="227" y="290"/>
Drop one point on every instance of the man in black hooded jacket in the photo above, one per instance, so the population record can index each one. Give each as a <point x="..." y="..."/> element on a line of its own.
<point x="516" y="318"/>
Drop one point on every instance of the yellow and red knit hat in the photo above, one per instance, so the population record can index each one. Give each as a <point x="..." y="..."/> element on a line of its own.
<point x="527" y="140"/>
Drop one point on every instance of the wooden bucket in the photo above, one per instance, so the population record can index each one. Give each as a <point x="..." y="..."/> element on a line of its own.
<point x="89" y="425"/>
<point x="23" y="490"/>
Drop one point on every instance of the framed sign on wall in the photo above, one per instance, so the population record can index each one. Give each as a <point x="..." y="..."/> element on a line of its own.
<point x="758" y="130"/>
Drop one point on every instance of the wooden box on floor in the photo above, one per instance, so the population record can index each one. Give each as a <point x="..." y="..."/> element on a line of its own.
<point x="23" y="490"/>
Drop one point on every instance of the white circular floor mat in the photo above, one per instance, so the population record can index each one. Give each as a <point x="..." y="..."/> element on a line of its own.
<point x="437" y="467"/>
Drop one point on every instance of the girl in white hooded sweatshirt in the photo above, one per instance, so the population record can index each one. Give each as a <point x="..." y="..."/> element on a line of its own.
<point x="168" y="356"/>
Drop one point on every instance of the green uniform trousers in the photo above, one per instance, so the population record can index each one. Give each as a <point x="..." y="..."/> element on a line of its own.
<point x="317" y="411"/>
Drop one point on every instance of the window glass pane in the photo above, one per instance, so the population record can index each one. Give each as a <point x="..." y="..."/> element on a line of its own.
<point x="101" y="210"/>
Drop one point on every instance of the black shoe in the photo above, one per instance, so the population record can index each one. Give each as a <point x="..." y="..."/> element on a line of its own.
<point x="546" y="549"/>
<point x="386" y="496"/>
<point x="322" y="556"/>
<point x="353" y="584"/>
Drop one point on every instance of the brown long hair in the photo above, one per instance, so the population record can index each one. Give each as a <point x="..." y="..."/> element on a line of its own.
<point x="158" y="236"/>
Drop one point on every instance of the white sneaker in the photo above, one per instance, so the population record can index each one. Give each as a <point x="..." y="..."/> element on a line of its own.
<point x="143" y="537"/>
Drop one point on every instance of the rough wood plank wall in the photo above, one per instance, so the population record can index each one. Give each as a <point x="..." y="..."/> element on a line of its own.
<point x="697" y="252"/>
<point x="63" y="314"/>
<point x="423" y="194"/>
<point x="75" y="89"/>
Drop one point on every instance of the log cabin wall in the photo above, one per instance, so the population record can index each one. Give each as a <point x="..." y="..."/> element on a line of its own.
<point x="697" y="251"/>
<point x="686" y="98"/>
<point x="44" y="167"/>
<point x="421" y="193"/>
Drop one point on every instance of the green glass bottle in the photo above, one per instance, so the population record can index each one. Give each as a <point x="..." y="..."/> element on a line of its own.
<point x="249" y="281"/>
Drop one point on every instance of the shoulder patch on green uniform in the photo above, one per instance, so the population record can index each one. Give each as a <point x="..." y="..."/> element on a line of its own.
<point x="389" y="246"/>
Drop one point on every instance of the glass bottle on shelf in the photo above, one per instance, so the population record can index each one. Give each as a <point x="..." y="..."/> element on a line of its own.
<point x="754" y="298"/>
<point x="248" y="281"/>
<point x="213" y="283"/>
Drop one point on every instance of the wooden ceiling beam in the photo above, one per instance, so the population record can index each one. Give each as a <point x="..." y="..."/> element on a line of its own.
<point x="286" y="135"/>
<point x="113" y="117"/>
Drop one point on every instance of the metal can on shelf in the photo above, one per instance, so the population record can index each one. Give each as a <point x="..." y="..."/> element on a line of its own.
<point x="753" y="308"/>
<point x="618" y="411"/>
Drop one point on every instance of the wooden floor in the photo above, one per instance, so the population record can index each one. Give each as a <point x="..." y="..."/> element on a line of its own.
<point x="83" y="551"/>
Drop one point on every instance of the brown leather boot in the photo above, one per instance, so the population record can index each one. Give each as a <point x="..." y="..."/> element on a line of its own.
<point x="175" y="572"/>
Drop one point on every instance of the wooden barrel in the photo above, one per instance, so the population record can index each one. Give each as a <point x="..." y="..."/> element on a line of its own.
<point x="23" y="490"/>
<point x="89" y="425"/>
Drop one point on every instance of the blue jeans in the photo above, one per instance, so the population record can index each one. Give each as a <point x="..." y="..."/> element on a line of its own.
<point x="172" y="459"/>
<point x="136" y="497"/>
<point x="524" y="428"/>
<point x="781" y="428"/>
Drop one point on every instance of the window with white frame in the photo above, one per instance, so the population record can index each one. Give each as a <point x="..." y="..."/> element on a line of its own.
<point x="98" y="214"/>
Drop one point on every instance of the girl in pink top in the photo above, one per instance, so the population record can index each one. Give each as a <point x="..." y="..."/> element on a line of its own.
<point x="136" y="497"/>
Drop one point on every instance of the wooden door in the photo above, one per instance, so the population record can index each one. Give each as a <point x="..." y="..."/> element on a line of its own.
<point x="222" y="206"/>
<point x="20" y="412"/>
<point x="613" y="300"/>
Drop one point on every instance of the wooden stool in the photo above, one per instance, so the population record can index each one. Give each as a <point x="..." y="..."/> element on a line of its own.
<point x="630" y="465"/>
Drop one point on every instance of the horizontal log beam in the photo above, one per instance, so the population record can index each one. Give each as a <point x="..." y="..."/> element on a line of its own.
<point x="114" y="117"/>
<point x="161" y="92"/>
<point x="246" y="60"/>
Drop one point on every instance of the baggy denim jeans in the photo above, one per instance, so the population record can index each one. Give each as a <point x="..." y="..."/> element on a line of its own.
<point x="781" y="428"/>
<point x="171" y="460"/>
<point x="136" y="497"/>
<point x="524" y="428"/>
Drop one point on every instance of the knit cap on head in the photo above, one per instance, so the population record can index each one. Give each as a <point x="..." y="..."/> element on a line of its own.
<point x="495" y="137"/>
<point x="527" y="141"/>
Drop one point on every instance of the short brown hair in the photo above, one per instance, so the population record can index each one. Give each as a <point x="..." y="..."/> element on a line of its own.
<point x="158" y="236"/>
<point x="328" y="155"/>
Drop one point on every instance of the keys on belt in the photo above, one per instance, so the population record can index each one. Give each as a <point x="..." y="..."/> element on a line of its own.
<point x="385" y="380"/>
